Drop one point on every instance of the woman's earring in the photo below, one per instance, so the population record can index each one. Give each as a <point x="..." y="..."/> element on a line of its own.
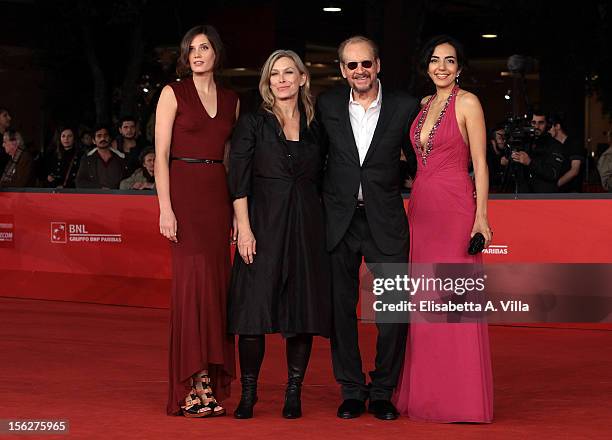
<point x="457" y="79"/>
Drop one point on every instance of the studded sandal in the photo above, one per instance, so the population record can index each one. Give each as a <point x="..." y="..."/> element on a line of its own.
<point x="193" y="407"/>
<point x="205" y="394"/>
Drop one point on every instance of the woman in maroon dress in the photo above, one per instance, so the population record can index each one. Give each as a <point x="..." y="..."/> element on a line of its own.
<point x="194" y="120"/>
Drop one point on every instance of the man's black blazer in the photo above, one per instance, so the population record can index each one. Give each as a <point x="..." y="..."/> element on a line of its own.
<point x="379" y="175"/>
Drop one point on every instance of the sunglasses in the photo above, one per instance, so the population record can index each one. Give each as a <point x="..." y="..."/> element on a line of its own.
<point x="352" y="65"/>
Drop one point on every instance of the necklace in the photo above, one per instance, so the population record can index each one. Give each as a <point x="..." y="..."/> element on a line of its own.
<point x="426" y="149"/>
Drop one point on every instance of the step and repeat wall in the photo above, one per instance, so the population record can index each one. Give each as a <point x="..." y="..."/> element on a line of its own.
<point x="106" y="248"/>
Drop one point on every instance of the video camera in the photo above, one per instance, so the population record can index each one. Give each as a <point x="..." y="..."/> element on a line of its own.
<point x="519" y="135"/>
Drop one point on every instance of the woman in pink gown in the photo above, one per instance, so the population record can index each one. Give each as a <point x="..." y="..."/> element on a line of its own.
<point x="447" y="369"/>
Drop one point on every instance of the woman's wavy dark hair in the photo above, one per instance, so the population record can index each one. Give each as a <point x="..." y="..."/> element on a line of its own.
<point x="56" y="143"/>
<point x="428" y="48"/>
<point x="182" y="64"/>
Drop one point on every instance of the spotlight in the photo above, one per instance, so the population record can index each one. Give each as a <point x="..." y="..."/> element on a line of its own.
<point x="332" y="7"/>
<point x="489" y="36"/>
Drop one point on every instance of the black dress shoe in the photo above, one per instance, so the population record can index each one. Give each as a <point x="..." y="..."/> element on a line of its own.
<point x="383" y="410"/>
<point x="351" y="408"/>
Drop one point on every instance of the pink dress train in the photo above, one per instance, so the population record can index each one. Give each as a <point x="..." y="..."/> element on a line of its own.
<point x="447" y="373"/>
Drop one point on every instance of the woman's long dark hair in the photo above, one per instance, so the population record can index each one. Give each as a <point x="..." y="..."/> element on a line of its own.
<point x="56" y="148"/>
<point x="428" y="49"/>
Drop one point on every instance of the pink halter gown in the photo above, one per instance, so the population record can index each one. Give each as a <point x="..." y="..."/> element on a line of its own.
<point x="447" y="369"/>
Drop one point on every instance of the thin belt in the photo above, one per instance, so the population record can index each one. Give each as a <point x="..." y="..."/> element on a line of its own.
<point x="194" y="160"/>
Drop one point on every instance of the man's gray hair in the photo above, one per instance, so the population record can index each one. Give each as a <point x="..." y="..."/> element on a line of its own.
<point x="357" y="39"/>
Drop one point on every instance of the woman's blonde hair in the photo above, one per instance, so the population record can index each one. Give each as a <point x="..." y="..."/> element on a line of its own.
<point x="266" y="93"/>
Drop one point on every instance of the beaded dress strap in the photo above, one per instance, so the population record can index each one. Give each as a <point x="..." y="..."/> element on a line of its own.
<point x="425" y="150"/>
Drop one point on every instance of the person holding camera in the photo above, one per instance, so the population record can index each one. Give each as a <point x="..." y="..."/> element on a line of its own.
<point x="540" y="163"/>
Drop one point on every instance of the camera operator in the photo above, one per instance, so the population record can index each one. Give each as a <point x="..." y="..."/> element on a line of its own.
<point x="496" y="159"/>
<point x="574" y="155"/>
<point x="540" y="163"/>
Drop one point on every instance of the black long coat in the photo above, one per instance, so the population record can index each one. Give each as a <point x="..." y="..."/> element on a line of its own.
<point x="287" y="288"/>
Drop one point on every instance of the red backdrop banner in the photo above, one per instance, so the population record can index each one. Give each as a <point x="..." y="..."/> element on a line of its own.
<point x="106" y="248"/>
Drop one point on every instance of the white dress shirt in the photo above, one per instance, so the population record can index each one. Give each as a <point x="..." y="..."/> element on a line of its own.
<point x="363" y="123"/>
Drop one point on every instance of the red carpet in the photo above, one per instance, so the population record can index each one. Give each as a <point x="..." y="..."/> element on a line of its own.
<point x="103" y="368"/>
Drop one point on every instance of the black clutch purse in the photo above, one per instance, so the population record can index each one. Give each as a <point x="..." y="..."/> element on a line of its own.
<point x="476" y="244"/>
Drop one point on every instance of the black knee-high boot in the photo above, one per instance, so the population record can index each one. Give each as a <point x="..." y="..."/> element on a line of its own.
<point x="251" y="352"/>
<point x="298" y="354"/>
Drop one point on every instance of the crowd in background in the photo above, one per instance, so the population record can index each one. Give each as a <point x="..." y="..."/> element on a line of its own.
<point x="547" y="160"/>
<point x="100" y="158"/>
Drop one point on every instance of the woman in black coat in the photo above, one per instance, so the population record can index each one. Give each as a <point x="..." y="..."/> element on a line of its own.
<point x="280" y="283"/>
<point x="62" y="160"/>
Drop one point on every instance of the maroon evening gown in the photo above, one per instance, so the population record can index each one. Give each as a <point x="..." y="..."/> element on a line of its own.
<point x="201" y="258"/>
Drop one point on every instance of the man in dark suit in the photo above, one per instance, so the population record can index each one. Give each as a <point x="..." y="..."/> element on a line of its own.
<point x="365" y="127"/>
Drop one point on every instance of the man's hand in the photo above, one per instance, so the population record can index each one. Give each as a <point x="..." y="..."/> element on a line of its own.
<point x="521" y="157"/>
